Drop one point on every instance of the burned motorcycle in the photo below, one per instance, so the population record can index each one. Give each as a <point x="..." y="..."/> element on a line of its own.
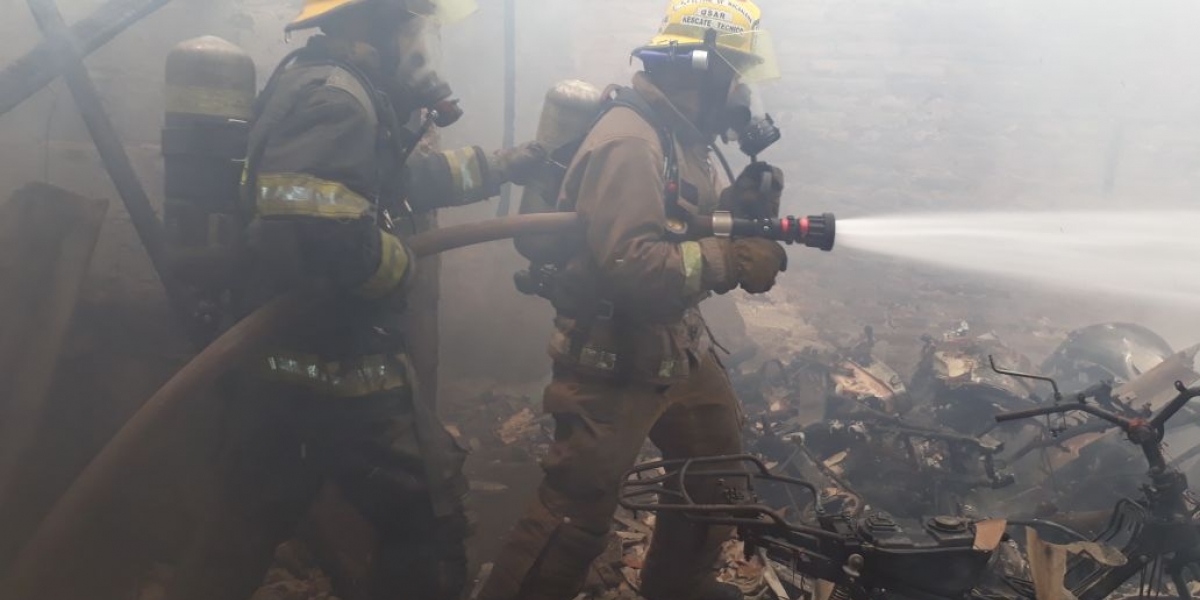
<point x="907" y="468"/>
<point x="866" y="443"/>
<point x="1081" y="463"/>
<point x="955" y="388"/>
<point x="878" y="556"/>
<point x="1114" y="352"/>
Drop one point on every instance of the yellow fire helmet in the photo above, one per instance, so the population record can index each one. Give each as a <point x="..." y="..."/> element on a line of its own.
<point x="443" y="11"/>
<point x="740" y="41"/>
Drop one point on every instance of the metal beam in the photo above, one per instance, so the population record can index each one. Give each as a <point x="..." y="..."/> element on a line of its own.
<point x="69" y="61"/>
<point x="510" y="95"/>
<point x="35" y="70"/>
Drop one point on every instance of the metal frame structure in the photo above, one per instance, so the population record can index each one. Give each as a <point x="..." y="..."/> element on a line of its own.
<point x="62" y="52"/>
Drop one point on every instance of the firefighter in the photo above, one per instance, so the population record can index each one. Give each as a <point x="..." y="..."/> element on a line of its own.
<point x="632" y="355"/>
<point x="329" y="191"/>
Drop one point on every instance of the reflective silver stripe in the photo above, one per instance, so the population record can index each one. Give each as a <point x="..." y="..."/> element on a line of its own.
<point x="693" y="267"/>
<point x="597" y="358"/>
<point x="356" y="377"/>
<point x="300" y="194"/>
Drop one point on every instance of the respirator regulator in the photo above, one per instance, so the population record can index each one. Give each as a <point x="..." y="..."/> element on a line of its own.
<point x="754" y="131"/>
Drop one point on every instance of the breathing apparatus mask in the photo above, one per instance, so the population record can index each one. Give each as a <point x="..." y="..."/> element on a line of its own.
<point x="409" y="46"/>
<point x="727" y="101"/>
<point x="752" y="128"/>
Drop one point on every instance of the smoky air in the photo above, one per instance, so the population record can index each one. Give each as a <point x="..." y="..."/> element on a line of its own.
<point x="1012" y="180"/>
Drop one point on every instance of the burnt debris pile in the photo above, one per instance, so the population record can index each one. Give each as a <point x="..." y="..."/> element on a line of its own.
<point x="975" y="476"/>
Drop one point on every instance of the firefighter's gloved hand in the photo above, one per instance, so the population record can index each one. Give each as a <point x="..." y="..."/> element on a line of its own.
<point x="751" y="263"/>
<point x="756" y="262"/>
<point x="518" y="164"/>
<point x="756" y="193"/>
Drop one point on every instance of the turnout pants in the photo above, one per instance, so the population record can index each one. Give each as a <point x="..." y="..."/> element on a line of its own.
<point x="287" y="442"/>
<point x="601" y="426"/>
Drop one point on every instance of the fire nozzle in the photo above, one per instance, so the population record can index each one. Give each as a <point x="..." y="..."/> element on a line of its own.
<point x="814" y="231"/>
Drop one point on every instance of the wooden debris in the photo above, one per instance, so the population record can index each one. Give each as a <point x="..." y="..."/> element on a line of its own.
<point x="47" y="236"/>
<point x="520" y="426"/>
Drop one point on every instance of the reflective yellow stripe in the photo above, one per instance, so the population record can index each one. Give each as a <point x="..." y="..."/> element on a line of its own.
<point x="199" y="100"/>
<point x="465" y="170"/>
<point x="299" y="194"/>
<point x="393" y="264"/>
<point x="360" y="376"/>
<point x="693" y="267"/>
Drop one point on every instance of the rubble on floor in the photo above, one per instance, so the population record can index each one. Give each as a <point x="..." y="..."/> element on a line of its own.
<point x="494" y="419"/>
<point x="616" y="574"/>
<point x="295" y="576"/>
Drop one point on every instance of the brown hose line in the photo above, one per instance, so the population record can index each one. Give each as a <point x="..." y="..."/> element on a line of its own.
<point x="69" y="514"/>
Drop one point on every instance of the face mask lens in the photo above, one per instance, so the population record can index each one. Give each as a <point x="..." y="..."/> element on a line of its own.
<point x="737" y="119"/>
<point x="412" y="61"/>
<point x="751" y="54"/>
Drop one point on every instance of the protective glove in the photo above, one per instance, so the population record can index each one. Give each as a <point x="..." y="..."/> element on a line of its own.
<point x="756" y="193"/>
<point x="751" y="263"/>
<point x="518" y="164"/>
<point x="756" y="262"/>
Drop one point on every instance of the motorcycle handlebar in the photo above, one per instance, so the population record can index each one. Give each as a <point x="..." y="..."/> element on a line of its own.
<point x="1113" y="418"/>
<point x="1175" y="405"/>
<point x="1030" y="413"/>
<point x="1157" y="422"/>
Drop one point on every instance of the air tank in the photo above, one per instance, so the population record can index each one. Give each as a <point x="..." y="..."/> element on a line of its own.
<point x="570" y="108"/>
<point x="210" y="91"/>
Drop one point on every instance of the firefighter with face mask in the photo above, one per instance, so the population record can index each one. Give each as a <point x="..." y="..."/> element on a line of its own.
<point x="330" y="183"/>
<point x="632" y="355"/>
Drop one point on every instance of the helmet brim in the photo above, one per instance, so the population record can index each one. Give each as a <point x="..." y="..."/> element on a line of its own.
<point x="314" y="14"/>
<point x="444" y="12"/>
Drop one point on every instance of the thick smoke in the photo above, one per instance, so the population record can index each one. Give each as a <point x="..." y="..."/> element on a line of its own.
<point x="886" y="106"/>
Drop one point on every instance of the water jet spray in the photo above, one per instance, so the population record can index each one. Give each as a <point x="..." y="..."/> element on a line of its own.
<point x="1149" y="255"/>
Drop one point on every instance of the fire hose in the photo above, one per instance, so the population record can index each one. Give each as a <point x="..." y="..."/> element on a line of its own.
<point x="240" y="342"/>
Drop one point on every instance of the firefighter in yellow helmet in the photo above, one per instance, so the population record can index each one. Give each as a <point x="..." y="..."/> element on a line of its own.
<point x="633" y="357"/>
<point x="331" y="184"/>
